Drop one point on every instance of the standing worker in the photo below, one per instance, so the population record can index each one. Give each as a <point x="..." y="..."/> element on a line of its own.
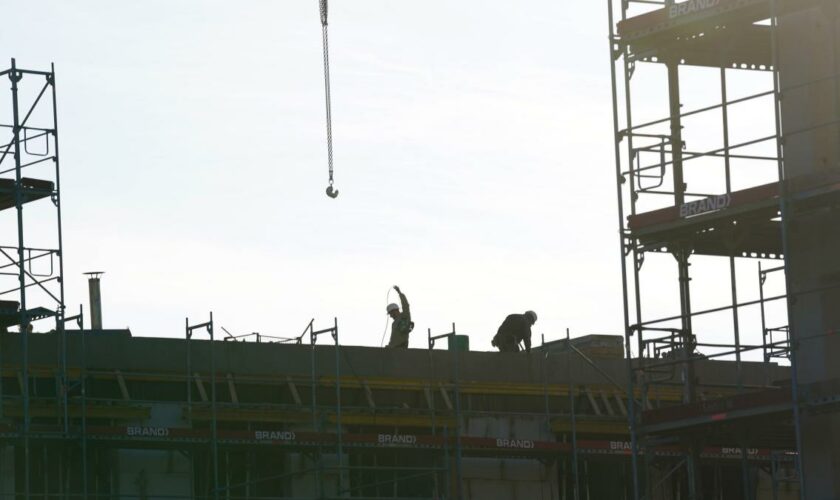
<point x="402" y="324"/>
<point x="515" y="328"/>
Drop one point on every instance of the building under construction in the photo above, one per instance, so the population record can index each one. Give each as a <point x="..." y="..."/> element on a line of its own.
<point x="732" y="401"/>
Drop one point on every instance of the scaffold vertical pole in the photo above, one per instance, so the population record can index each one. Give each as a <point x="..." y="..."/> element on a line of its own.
<point x="214" y="443"/>
<point x="15" y="77"/>
<point x="188" y="378"/>
<point x="458" y="422"/>
<point x="764" y="345"/>
<point x="431" y="346"/>
<point x="338" y="404"/>
<point x="675" y="107"/>
<point x="770" y="348"/>
<point x="745" y="468"/>
<point x="774" y="482"/>
<point x="785" y="221"/>
<point x="83" y="378"/>
<point x="446" y="460"/>
<point x="732" y="275"/>
<point x="213" y="409"/>
<point x="452" y="338"/>
<point x="312" y="398"/>
<point x="631" y="410"/>
<point x="544" y="370"/>
<point x="188" y="336"/>
<point x="60" y="310"/>
<point x="316" y="421"/>
<point x="575" y="475"/>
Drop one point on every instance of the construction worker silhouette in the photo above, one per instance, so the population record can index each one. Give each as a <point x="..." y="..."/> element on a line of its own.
<point x="402" y="325"/>
<point x="514" y="329"/>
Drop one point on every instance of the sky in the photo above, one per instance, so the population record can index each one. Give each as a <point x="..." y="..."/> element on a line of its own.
<point x="473" y="154"/>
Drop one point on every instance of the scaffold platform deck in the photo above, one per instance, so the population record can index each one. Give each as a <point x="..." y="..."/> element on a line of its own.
<point x="742" y="224"/>
<point x="31" y="190"/>
<point x="713" y="33"/>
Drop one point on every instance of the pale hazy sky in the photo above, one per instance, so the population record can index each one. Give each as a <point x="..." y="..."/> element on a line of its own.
<point x="473" y="152"/>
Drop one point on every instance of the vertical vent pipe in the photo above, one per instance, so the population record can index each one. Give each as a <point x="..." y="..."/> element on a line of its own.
<point x="95" y="299"/>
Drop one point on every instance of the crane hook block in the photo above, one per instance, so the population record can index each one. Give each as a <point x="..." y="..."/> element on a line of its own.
<point x="332" y="193"/>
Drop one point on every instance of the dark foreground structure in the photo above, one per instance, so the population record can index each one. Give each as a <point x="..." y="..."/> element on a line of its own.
<point x="705" y="190"/>
<point x="689" y="405"/>
<point x="177" y="418"/>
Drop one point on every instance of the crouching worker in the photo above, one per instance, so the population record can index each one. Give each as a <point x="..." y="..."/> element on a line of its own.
<point x="515" y="328"/>
<point x="402" y="324"/>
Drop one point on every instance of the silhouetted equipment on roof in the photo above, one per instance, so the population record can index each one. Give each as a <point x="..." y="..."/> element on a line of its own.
<point x="593" y="346"/>
<point x="458" y="343"/>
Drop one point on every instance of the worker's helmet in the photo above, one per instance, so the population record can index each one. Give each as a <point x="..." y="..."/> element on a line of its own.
<point x="532" y="315"/>
<point x="391" y="308"/>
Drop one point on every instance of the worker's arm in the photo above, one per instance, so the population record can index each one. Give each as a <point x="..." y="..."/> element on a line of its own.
<point x="403" y="302"/>
<point x="527" y="340"/>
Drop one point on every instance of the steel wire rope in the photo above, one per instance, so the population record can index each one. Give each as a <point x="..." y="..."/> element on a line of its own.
<point x="385" y="330"/>
<point x="331" y="192"/>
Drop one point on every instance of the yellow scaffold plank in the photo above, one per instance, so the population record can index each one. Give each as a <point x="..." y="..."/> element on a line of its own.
<point x="115" y="412"/>
<point x="665" y="393"/>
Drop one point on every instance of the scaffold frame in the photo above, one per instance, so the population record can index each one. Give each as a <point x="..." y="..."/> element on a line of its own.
<point x="744" y="223"/>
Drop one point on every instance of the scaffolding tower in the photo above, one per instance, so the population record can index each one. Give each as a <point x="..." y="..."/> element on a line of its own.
<point x="31" y="268"/>
<point x="711" y="185"/>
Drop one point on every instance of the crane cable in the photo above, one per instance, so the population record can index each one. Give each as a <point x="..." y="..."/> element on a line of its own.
<point x="331" y="192"/>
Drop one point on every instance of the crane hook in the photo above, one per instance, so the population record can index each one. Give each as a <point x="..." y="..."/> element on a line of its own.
<point x="331" y="192"/>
